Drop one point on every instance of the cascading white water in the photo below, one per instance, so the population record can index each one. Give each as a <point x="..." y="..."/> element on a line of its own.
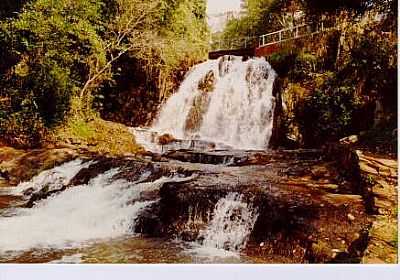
<point x="54" y="178"/>
<point x="104" y="208"/>
<point x="231" y="225"/>
<point x="235" y="109"/>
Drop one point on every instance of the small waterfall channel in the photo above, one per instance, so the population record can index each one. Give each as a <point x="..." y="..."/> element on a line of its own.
<point x="231" y="225"/>
<point x="229" y="229"/>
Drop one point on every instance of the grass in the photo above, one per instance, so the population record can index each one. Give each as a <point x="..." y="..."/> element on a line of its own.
<point x="82" y="130"/>
<point x="97" y="135"/>
<point x="63" y="144"/>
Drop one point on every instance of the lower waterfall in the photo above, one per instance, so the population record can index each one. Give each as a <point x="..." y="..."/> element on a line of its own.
<point x="104" y="208"/>
<point x="232" y="222"/>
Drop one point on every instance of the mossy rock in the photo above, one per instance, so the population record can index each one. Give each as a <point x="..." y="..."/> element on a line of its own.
<point x="207" y="84"/>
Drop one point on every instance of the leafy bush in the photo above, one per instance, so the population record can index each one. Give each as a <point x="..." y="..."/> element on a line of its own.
<point x="52" y="43"/>
<point x="22" y="128"/>
<point x="327" y="114"/>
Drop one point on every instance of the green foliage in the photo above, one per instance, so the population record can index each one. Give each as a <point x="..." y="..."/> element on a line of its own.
<point x="373" y="61"/>
<point x="341" y="73"/>
<point x="318" y="7"/>
<point x="54" y="52"/>
<point x="177" y="39"/>
<point x="382" y="139"/>
<point x="264" y="16"/>
<point x="81" y="129"/>
<point x="370" y="180"/>
<point x="23" y="126"/>
<point x="183" y="33"/>
<point x="305" y="64"/>
<point x="52" y="43"/>
<point x="327" y="114"/>
<point x="256" y="21"/>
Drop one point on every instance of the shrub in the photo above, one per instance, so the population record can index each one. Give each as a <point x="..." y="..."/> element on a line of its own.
<point x="327" y="114"/>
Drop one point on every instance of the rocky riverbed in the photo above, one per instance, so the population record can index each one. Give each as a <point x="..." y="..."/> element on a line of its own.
<point x="294" y="206"/>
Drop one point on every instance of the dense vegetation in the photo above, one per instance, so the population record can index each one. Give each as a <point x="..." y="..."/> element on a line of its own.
<point x="57" y="57"/>
<point x="335" y="82"/>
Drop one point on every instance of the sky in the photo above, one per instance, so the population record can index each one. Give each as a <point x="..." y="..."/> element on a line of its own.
<point x="218" y="6"/>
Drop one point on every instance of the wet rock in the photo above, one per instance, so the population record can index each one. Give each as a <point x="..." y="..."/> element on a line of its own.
<point x="288" y="214"/>
<point x="351" y="217"/>
<point x="353" y="139"/>
<point x="243" y="158"/>
<point x="4" y="175"/>
<point x="196" y="113"/>
<point x="214" y="157"/>
<point x="319" y="172"/>
<point x="131" y="170"/>
<point x="188" y="145"/>
<point x="19" y="165"/>
<point x="166" y="139"/>
<point x="303" y="215"/>
<point x="207" y="84"/>
<point x="376" y="178"/>
<point x="379" y="176"/>
<point x="148" y="222"/>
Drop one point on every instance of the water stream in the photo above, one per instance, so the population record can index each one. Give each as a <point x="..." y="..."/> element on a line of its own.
<point x="228" y="102"/>
<point x="231" y="225"/>
<point x="227" y="233"/>
<point x="73" y="224"/>
<point x="53" y="178"/>
<point x="100" y="209"/>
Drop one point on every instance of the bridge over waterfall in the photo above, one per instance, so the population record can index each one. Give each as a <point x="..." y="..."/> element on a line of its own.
<point x="266" y="44"/>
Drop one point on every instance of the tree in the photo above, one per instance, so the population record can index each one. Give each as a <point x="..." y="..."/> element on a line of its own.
<point x="56" y="55"/>
<point x="130" y="31"/>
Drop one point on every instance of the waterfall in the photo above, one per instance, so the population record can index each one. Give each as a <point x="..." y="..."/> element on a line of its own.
<point x="104" y="208"/>
<point x="231" y="225"/>
<point x="226" y="101"/>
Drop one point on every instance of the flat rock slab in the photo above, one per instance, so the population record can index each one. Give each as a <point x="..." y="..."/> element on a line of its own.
<point x="380" y="177"/>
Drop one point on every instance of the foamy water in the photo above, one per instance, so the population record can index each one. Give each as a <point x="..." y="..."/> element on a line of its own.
<point x="53" y="178"/>
<point x="104" y="208"/>
<point x="229" y="229"/>
<point x="237" y="111"/>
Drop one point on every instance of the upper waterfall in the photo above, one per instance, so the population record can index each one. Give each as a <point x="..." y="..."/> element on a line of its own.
<point x="226" y="101"/>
